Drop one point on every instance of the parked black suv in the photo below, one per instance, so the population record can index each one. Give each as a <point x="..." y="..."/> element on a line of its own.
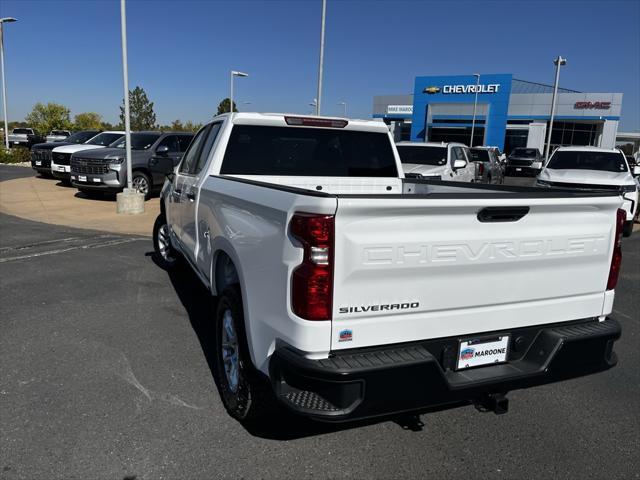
<point x="524" y="161"/>
<point x="41" y="152"/>
<point x="153" y="155"/>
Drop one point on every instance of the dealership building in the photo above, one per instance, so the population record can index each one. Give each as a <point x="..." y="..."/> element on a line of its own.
<point x="509" y="113"/>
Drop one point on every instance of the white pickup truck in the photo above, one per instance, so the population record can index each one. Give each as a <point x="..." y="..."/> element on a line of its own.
<point x="347" y="291"/>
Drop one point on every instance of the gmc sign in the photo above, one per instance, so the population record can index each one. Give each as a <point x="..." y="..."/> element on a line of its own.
<point x="592" y="105"/>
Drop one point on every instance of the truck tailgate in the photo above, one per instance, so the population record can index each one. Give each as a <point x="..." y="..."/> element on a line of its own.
<point x="408" y="269"/>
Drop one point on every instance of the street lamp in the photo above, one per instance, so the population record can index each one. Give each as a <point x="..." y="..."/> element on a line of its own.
<point x="319" y="99"/>
<point x="234" y="73"/>
<point x="4" y="86"/>
<point x="130" y="200"/>
<point x="475" y="106"/>
<point x="558" y="62"/>
<point x="344" y="108"/>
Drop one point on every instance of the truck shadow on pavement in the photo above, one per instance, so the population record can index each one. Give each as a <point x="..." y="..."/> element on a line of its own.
<point x="284" y="425"/>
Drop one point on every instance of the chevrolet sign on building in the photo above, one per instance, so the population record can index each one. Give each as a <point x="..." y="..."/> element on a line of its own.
<point x="491" y="88"/>
<point x="510" y="113"/>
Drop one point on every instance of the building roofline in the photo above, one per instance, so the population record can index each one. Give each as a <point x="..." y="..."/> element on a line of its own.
<point x="546" y="85"/>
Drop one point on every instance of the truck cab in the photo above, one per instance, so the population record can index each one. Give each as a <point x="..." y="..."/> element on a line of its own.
<point x="446" y="161"/>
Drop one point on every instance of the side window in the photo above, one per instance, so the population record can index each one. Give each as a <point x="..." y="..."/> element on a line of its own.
<point x="170" y="141"/>
<point x="208" y="144"/>
<point x="190" y="157"/>
<point x="183" y="142"/>
<point x="457" y="154"/>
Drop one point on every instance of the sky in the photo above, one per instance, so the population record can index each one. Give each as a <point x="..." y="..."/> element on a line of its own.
<point x="181" y="52"/>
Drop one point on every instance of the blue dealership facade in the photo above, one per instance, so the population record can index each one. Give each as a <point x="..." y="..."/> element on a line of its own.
<point x="508" y="112"/>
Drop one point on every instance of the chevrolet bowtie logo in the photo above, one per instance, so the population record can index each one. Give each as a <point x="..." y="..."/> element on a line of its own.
<point x="432" y="90"/>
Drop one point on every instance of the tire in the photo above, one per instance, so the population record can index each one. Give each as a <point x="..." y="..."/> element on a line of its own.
<point x="166" y="256"/>
<point x="627" y="229"/>
<point x="245" y="393"/>
<point x="141" y="182"/>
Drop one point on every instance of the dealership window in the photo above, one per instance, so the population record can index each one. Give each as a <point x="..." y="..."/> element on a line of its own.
<point x="514" y="139"/>
<point x="456" y="134"/>
<point x="574" y="133"/>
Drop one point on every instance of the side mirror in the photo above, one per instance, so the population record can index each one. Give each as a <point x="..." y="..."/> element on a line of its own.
<point x="636" y="170"/>
<point x="162" y="150"/>
<point x="458" y="164"/>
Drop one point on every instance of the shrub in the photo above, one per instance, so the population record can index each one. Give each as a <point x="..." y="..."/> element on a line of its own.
<point x="15" y="155"/>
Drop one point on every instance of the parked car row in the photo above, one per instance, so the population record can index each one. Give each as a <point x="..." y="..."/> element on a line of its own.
<point x="93" y="161"/>
<point x="27" y="137"/>
<point x="451" y="162"/>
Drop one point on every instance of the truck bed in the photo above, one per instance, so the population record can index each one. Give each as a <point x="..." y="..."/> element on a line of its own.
<point x="428" y="259"/>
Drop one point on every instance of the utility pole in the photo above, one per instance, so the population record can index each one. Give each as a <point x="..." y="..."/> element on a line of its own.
<point x="129" y="201"/>
<point x="558" y="62"/>
<point x="319" y="97"/>
<point x="475" y="106"/>
<point x="4" y="85"/>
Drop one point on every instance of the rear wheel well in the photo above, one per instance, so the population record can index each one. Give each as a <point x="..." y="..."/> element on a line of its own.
<point x="225" y="272"/>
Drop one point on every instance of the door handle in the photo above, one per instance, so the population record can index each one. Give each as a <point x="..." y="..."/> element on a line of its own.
<point x="502" y="214"/>
<point x="177" y="190"/>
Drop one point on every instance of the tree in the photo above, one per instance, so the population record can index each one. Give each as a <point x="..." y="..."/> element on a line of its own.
<point x="141" y="111"/>
<point x="192" y="127"/>
<point x="88" y="121"/>
<point x="51" y="116"/>
<point x="223" y="106"/>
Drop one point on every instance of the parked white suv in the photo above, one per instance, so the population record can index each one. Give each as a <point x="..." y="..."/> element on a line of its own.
<point x="345" y="290"/>
<point x="61" y="156"/>
<point x="595" y="169"/>
<point x="443" y="161"/>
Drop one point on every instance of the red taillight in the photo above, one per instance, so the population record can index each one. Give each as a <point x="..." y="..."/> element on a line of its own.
<point x="316" y="122"/>
<point x="616" y="258"/>
<point x="312" y="280"/>
<point x="481" y="169"/>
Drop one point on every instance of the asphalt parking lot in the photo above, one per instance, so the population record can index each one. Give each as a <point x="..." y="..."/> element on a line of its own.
<point x="105" y="372"/>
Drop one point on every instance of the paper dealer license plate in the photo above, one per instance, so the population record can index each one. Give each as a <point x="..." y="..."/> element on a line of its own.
<point x="82" y="178"/>
<point x="38" y="162"/>
<point x="483" y="351"/>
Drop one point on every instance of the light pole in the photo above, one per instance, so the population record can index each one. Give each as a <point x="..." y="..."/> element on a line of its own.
<point x="234" y="73"/>
<point x="129" y="201"/>
<point x="4" y="85"/>
<point x="475" y="106"/>
<point x="558" y="62"/>
<point x="125" y="81"/>
<point x="319" y="98"/>
<point x="344" y="108"/>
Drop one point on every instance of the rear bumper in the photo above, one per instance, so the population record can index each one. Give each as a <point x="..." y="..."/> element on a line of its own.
<point x="516" y="170"/>
<point x="411" y="377"/>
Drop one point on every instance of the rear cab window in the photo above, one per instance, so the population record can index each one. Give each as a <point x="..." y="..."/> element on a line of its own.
<point x="303" y="151"/>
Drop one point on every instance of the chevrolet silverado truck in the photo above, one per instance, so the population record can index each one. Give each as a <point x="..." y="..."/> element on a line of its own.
<point x="24" y="137"/>
<point x="434" y="160"/>
<point x="58" y="135"/>
<point x="345" y="290"/>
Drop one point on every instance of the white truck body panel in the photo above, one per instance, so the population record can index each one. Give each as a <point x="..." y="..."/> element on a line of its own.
<point x="464" y="277"/>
